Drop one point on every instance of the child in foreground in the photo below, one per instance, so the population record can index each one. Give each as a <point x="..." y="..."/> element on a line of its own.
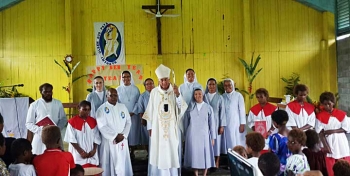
<point x="3" y="169"/>
<point x="278" y="141"/>
<point x="255" y="144"/>
<point x="314" y="154"/>
<point x="297" y="163"/>
<point x="53" y="161"/>
<point x="241" y="151"/>
<point x="21" y="150"/>
<point x="269" y="164"/>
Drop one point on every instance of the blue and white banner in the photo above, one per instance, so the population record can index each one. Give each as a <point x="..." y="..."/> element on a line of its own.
<point x="109" y="43"/>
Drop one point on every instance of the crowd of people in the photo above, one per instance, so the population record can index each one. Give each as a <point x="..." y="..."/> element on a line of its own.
<point x="180" y="127"/>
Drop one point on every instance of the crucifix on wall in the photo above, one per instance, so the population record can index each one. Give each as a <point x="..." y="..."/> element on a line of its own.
<point x="158" y="11"/>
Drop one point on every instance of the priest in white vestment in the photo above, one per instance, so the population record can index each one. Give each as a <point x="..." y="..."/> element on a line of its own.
<point x="44" y="107"/>
<point x="164" y="119"/>
<point x="114" y="122"/>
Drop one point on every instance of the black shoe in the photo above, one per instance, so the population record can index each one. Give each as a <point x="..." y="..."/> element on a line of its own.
<point x="213" y="169"/>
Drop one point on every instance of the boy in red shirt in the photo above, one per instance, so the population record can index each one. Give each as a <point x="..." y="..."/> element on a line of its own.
<point x="53" y="161"/>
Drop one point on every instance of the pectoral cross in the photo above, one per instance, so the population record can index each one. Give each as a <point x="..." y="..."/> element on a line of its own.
<point x="161" y="9"/>
<point x="122" y="146"/>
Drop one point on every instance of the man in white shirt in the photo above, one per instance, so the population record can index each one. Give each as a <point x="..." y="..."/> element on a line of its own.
<point x="44" y="108"/>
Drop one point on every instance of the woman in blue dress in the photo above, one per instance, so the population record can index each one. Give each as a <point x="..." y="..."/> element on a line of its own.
<point x="215" y="100"/>
<point x="98" y="96"/>
<point x="200" y="133"/>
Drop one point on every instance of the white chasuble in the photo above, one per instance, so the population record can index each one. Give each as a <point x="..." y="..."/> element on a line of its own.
<point x="165" y="119"/>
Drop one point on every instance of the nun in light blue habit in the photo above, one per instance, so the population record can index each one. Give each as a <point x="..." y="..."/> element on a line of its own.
<point x="98" y="96"/>
<point x="235" y="131"/>
<point x="200" y="133"/>
<point x="216" y="101"/>
<point x="190" y="82"/>
<point x="128" y="94"/>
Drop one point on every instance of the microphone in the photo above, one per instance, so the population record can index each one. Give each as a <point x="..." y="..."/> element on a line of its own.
<point x="20" y="85"/>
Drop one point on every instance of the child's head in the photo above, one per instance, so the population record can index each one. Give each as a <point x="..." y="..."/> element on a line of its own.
<point x="341" y="167"/>
<point x="1" y="123"/>
<point x="255" y="142"/>
<point x="312" y="139"/>
<point x="240" y="150"/>
<point x="328" y="100"/>
<point x="51" y="136"/>
<point x="2" y="145"/>
<point x="84" y="109"/>
<point x="77" y="171"/>
<point x="21" y="149"/>
<point x="269" y="164"/>
<point x="296" y="139"/>
<point x="279" y="118"/>
<point x="301" y="91"/>
<point x="262" y="95"/>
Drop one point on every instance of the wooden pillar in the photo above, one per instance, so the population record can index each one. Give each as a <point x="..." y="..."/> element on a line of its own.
<point x="328" y="52"/>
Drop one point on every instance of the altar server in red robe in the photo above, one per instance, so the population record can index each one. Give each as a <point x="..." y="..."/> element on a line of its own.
<point x="261" y="113"/>
<point x="301" y="114"/>
<point x="332" y="124"/>
<point x="83" y="137"/>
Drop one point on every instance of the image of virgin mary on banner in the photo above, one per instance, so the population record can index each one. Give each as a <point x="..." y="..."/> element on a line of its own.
<point x="109" y="43"/>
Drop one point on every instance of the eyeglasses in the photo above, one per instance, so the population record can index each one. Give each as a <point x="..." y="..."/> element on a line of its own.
<point x="126" y="77"/>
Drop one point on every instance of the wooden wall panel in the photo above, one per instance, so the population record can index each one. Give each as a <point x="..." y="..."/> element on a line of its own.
<point x="208" y="36"/>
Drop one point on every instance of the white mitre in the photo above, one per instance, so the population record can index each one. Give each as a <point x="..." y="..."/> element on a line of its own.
<point x="163" y="71"/>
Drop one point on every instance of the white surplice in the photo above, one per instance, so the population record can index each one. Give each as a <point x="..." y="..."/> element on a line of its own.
<point x="167" y="128"/>
<point x="111" y="121"/>
<point x="38" y="110"/>
<point x="83" y="132"/>
<point x="299" y="115"/>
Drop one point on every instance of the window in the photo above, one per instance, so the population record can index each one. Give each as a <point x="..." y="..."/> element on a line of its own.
<point x="343" y="17"/>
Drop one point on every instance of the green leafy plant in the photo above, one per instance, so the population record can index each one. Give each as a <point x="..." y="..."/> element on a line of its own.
<point x="251" y="73"/>
<point x="291" y="82"/>
<point x="10" y="92"/>
<point x="68" y="70"/>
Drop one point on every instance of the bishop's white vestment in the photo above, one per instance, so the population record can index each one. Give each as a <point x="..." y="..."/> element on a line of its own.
<point x="164" y="117"/>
